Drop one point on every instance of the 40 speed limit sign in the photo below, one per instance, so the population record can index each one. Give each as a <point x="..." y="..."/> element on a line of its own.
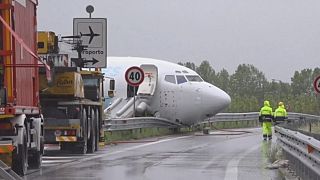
<point x="134" y="76"/>
<point x="316" y="84"/>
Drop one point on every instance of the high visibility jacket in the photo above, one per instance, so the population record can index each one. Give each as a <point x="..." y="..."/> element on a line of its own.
<point x="280" y="113"/>
<point x="265" y="112"/>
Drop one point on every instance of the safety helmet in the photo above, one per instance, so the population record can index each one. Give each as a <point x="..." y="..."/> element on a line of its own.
<point x="280" y="103"/>
<point x="266" y="103"/>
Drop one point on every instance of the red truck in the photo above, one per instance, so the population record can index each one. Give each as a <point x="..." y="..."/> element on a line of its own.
<point x="21" y="121"/>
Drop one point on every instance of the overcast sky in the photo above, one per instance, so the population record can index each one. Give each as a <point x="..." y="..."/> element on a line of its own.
<point x="276" y="36"/>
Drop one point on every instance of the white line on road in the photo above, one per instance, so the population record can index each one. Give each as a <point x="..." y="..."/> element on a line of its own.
<point x="104" y="155"/>
<point x="232" y="167"/>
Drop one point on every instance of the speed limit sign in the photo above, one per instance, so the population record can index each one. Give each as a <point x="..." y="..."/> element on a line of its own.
<point x="134" y="76"/>
<point x="316" y="84"/>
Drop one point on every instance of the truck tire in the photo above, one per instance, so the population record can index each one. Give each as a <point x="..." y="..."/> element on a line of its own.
<point x="35" y="158"/>
<point x="83" y="145"/>
<point x="97" y="116"/>
<point x="92" y="139"/>
<point x="20" y="157"/>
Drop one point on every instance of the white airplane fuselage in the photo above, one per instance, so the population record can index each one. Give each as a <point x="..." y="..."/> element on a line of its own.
<point x="173" y="92"/>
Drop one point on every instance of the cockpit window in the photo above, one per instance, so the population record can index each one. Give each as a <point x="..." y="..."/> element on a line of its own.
<point x="194" y="78"/>
<point x="170" y="78"/>
<point x="181" y="79"/>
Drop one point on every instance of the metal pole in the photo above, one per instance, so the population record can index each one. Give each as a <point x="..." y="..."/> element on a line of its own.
<point x="134" y="101"/>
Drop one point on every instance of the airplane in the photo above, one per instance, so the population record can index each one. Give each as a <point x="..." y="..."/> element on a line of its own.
<point x="169" y="91"/>
<point x="91" y="34"/>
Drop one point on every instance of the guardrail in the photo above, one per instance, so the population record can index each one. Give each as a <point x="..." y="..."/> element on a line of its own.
<point x="302" y="151"/>
<point x="251" y="116"/>
<point x="7" y="173"/>
<point x="297" y="120"/>
<point x="137" y="123"/>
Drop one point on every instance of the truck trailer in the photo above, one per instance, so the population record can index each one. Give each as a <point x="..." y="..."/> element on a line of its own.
<point x="21" y="120"/>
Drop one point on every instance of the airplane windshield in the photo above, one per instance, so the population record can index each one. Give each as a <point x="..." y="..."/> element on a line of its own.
<point x="194" y="78"/>
<point x="170" y="78"/>
<point x="181" y="79"/>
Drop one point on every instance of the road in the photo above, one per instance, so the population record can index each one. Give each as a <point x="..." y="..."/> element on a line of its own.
<point x="220" y="155"/>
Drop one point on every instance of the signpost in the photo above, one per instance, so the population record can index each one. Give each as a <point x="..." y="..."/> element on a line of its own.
<point x="93" y="34"/>
<point x="134" y="77"/>
<point x="316" y="84"/>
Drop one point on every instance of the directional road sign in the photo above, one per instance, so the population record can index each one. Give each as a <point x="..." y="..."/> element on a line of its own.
<point x="316" y="84"/>
<point x="134" y="76"/>
<point x="93" y="33"/>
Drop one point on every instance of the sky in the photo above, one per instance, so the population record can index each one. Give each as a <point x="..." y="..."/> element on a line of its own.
<point x="276" y="36"/>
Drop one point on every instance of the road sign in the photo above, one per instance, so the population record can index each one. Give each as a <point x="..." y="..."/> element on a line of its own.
<point x="316" y="84"/>
<point x="93" y="33"/>
<point x="134" y="76"/>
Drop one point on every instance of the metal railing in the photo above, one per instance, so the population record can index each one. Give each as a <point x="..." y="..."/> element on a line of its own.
<point x="7" y="173"/>
<point x="137" y="123"/>
<point x="251" y="116"/>
<point x="302" y="151"/>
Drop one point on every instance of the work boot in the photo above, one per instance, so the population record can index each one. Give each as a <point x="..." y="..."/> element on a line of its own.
<point x="264" y="137"/>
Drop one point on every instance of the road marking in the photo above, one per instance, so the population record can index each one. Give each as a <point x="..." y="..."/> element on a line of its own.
<point x="231" y="172"/>
<point x="61" y="166"/>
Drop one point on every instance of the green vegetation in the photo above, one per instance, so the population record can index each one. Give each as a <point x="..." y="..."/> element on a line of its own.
<point x="313" y="128"/>
<point x="248" y="88"/>
<point x="115" y="136"/>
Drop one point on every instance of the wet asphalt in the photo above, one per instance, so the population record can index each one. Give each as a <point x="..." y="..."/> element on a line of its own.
<point x="220" y="155"/>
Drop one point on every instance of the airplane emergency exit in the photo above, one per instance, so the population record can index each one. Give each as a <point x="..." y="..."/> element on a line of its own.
<point x="168" y="91"/>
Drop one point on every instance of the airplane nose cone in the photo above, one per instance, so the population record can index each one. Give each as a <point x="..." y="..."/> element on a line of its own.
<point x="224" y="100"/>
<point x="215" y="100"/>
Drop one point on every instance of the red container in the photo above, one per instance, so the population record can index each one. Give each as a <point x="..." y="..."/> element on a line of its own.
<point x="21" y="77"/>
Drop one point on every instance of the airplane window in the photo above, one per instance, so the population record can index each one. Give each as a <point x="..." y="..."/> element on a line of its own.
<point x="181" y="79"/>
<point x="178" y="71"/>
<point x="184" y="71"/>
<point x="170" y="78"/>
<point x="194" y="78"/>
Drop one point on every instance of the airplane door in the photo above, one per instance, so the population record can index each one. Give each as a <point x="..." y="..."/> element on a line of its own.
<point x="149" y="84"/>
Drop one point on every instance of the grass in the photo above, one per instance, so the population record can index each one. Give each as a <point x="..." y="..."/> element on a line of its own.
<point x="315" y="128"/>
<point x="135" y="134"/>
<point x="153" y="132"/>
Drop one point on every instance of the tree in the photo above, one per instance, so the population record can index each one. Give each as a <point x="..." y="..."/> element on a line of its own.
<point x="189" y="65"/>
<point x="248" y="80"/>
<point x="301" y="82"/>
<point x="223" y="80"/>
<point x="206" y="72"/>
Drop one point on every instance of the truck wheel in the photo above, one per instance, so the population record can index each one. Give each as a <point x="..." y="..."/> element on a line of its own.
<point x="35" y="158"/>
<point x="92" y="140"/>
<point x="20" y="157"/>
<point x="97" y="115"/>
<point x="83" y="146"/>
<point x="42" y="145"/>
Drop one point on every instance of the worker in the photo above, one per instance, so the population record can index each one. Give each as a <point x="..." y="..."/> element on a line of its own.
<point x="265" y="116"/>
<point x="280" y="114"/>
